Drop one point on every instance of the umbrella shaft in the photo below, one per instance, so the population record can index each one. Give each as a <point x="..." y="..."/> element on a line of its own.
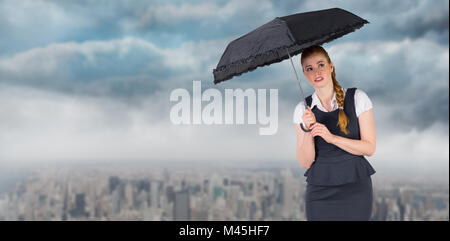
<point x="298" y="81"/>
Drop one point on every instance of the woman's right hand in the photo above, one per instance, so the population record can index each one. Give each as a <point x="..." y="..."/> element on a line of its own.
<point x="308" y="118"/>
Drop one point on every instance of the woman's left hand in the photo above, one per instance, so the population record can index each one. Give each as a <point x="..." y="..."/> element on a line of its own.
<point x="321" y="130"/>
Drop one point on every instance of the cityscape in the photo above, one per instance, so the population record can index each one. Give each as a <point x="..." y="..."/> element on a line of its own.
<point x="190" y="191"/>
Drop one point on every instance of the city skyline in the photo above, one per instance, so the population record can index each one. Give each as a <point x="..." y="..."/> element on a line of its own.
<point x="149" y="192"/>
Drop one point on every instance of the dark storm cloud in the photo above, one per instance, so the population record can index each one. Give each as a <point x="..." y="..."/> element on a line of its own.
<point x="389" y="20"/>
<point x="122" y="68"/>
<point x="170" y="23"/>
<point x="166" y="23"/>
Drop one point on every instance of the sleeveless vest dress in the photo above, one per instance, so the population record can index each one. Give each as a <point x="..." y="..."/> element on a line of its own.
<point x="339" y="186"/>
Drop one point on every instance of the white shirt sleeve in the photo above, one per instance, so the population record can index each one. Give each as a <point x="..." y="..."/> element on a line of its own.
<point x="298" y="113"/>
<point x="362" y="102"/>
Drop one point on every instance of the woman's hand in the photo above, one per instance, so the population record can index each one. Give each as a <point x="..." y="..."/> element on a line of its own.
<point x="321" y="130"/>
<point x="308" y="118"/>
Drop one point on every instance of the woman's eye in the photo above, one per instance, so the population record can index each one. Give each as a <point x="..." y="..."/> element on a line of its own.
<point x="321" y="65"/>
<point x="308" y="69"/>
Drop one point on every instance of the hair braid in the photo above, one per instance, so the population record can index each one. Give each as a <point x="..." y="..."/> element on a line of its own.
<point x="343" y="119"/>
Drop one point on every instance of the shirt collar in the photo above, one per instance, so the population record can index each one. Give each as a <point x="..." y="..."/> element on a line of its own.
<point x="316" y="101"/>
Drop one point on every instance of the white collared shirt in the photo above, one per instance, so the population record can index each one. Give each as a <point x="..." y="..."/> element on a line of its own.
<point x="362" y="104"/>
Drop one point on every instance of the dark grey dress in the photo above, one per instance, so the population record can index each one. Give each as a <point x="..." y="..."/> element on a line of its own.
<point x="339" y="186"/>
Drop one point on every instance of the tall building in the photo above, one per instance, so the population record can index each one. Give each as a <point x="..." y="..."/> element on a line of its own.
<point x="170" y="194"/>
<point x="181" y="209"/>
<point x="279" y="190"/>
<point x="115" y="198"/>
<point x="155" y="193"/>
<point x="80" y="204"/>
<point x="381" y="210"/>
<point x="253" y="209"/>
<point x="265" y="205"/>
<point x="114" y="182"/>
<point x="288" y="191"/>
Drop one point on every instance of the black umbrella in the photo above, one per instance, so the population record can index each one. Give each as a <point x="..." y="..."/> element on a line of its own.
<point x="282" y="37"/>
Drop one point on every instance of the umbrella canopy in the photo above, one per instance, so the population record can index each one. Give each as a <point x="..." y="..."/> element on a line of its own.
<point x="282" y="37"/>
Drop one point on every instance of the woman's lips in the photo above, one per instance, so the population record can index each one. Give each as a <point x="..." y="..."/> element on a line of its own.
<point x="318" y="79"/>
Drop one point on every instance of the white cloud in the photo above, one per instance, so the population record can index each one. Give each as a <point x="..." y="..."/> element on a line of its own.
<point x="39" y="126"/>
<point x="49" y="58"/>
<point x="172" y="14"/>
<point x="420" y="151"/>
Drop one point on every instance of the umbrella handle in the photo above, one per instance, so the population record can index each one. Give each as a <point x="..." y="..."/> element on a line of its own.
<point x="303" y="128"/>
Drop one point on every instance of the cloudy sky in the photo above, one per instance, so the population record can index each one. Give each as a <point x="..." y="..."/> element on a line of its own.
<point x="90" y="80"/>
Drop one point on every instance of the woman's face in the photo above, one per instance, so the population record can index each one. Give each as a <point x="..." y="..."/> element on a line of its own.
<point x="317" y="70"/>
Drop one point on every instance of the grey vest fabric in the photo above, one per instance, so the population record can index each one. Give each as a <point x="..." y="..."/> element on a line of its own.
<point x="333" y="165"/>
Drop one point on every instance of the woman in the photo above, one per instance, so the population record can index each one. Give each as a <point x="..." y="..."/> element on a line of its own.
<point x="339" y="186"/>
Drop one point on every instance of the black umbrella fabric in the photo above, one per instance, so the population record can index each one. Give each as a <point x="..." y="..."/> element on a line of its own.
<point x="282" y="37"/>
